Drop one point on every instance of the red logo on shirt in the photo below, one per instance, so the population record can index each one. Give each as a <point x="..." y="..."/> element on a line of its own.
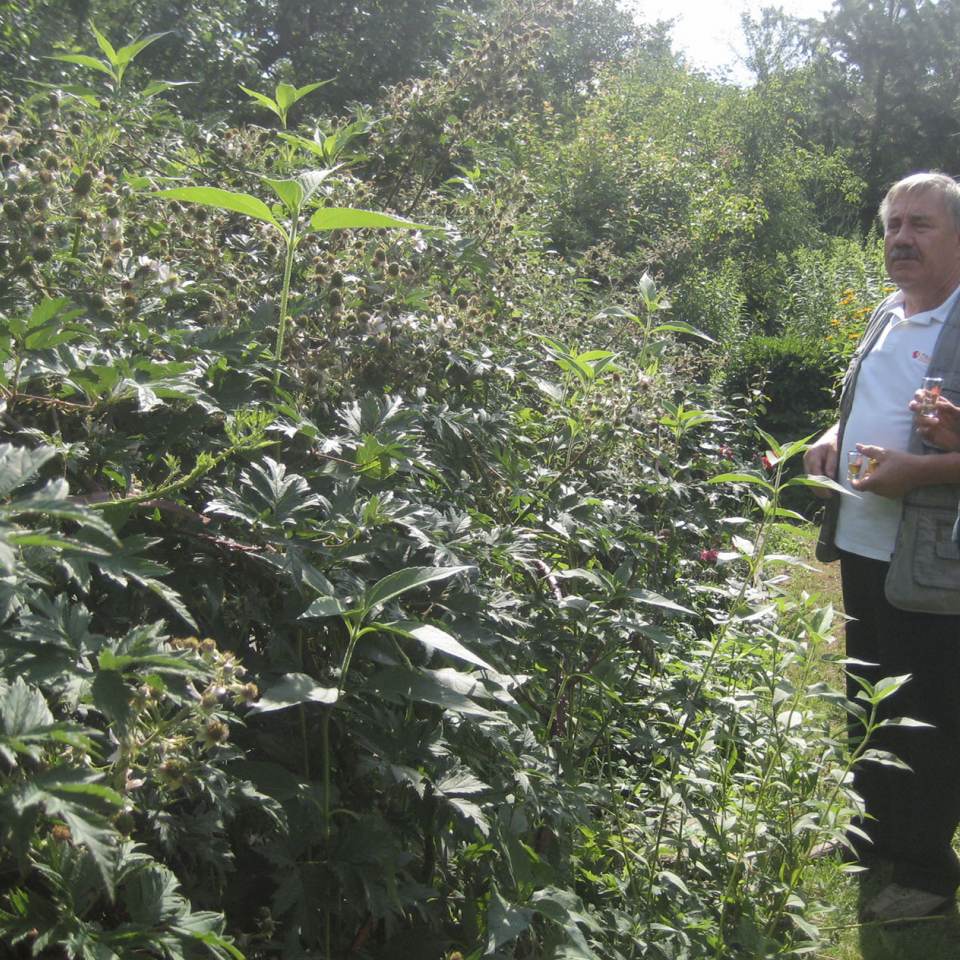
<point x="920" y="355"/>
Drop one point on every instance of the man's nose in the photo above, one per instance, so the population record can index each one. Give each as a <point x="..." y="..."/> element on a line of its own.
<point x="902" y="236"/>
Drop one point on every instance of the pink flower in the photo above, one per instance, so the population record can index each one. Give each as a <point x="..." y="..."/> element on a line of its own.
<point x="767" y="462"/>
<point x="726" y="453"/>
<point x="709" y="556"/>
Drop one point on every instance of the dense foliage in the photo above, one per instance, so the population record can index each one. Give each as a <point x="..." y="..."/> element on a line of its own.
<point x="385" y="559"/>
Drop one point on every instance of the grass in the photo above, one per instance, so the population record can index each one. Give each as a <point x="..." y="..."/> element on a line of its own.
<point x="827" y="882"/>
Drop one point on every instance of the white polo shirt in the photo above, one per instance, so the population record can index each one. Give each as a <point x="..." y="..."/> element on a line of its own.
<point x="889" y="376"/>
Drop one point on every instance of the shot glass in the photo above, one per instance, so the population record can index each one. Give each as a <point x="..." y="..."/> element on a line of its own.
<point x="931" y="387"/>
<point x="855" y="463"/>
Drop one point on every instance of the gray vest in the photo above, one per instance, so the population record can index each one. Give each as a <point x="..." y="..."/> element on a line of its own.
<point x="925" y="569"/>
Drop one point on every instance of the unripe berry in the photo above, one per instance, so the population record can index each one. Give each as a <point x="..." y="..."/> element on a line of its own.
<point x="83" y="183"/>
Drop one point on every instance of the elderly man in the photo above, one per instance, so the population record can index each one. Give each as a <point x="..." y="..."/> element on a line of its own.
<point x="900" y="566"/>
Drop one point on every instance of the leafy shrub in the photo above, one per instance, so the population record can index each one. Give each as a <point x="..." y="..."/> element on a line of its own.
<point x="487" y="663"/>
<point x="831" y="291"/>
<point x="796" y="377"/>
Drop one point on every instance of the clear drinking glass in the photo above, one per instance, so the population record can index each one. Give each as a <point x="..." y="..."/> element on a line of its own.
<point x="931" y="388"/>
<point x="854" y="464"/>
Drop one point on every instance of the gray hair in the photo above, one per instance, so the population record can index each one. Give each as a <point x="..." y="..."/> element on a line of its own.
<point x="940" y="183"/>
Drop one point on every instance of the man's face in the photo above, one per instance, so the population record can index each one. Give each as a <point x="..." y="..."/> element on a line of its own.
<point x="922" y="246"/>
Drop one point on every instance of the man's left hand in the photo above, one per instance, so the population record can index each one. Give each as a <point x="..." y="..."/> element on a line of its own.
<point x="887" y="473"/>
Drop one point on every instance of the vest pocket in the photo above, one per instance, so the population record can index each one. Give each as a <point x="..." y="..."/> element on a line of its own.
<point x="936" y="559"/>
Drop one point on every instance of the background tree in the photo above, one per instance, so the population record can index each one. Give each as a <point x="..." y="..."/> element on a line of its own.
<point x="888" y="87"/>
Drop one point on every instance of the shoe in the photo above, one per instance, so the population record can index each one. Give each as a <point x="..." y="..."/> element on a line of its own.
<point x="895" y="902"/>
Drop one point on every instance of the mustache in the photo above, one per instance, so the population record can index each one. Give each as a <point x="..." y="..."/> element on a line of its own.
<point x="904" y="253"/>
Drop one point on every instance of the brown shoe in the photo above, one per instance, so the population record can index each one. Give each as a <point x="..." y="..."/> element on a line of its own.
<point x="895" y="902"/>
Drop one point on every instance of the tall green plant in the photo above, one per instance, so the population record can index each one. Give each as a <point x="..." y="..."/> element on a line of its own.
<point x="115" y="62"/>
<point x="294" y="195"/>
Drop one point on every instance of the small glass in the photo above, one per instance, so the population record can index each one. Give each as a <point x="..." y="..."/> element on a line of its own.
<point x="854" y="464"/>
<point x="931" y="388"/>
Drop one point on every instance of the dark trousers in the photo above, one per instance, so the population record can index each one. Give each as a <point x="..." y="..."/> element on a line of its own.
<point x="912" y="815"/>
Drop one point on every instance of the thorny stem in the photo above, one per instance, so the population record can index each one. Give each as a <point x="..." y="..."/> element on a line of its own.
<point x="202" y="467"/>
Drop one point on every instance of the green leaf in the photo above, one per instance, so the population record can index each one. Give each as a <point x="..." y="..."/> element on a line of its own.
<point x="105" y="45"/>
<point x="821" y="483"/>
<point x="562" y="905"/>
<point x="46" y="310"/>
<point x="127" y="53"/>
<point x="771" y="442"/>
<point x="151" y="896"/>
<point x="310" y="87"/>
<point x="290" y="193"/>
<point x="884" y="758"/>
<point x="327" y="607"/>
<point x="292" y="689"/>
<point x="348" y="218"/>
<point x="18" y="465"/>
<point x="472" y="812"/>
<point x="505" y="922"/>
<point x="443" y="688"/>
<point x="172" y="600"/>
<point x="223" y="200"/>
<point x="272" y="779"/>
<point x="23" y="709"/>
<point x="111" y="697"/>
<point x="580" y="573"/>
<point x="655" y="600"/>
<point x="402" y="581"/>
<point x="794" y="447"/>
<point x="905" y="722"/>
<point x="674" y="880"/>
<point x="741" y="478"/>
<point x="647" y="288"/>
<point x="77" y="797"/>
<point x="681" y="326"/>
<point x="550" y="390"/>
<point x="592" y="356"/>
<point x="317" y="149"/>
<point x="286" y="97"/>
<point x="156" y="87"/>
<point x="435" y="639"/>
<point x="461" y="783"/>
<point x="311" y="180"/>
<point x="84" y="61"/>
<point x="52" y="501"/>
<point x="887" y="687"/>
<point x="263" y="100"/>
<point x="85" y="94"/>
<point x="565" y="908"/>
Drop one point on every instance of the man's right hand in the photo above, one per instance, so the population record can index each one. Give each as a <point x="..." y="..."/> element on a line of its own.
<point x="942" y="430"/>
<point x="821" y="458"/>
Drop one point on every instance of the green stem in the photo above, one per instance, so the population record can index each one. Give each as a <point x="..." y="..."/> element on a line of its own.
<point x="284" y="297"/>
<point x="304" y="739"/>
<point x="325" y="728"/>
<point x="754" y="564"/>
